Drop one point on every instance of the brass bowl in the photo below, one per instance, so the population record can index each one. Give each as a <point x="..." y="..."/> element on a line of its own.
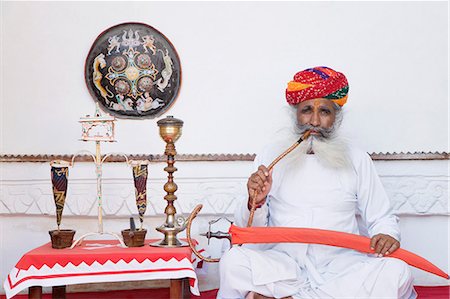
<point x="170" y="129"/>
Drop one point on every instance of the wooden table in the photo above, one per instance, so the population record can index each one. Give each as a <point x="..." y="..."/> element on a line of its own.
<point x="102" y="261"/>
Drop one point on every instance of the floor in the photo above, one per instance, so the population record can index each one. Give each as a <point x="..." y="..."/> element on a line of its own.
<point x="441" y="292"/>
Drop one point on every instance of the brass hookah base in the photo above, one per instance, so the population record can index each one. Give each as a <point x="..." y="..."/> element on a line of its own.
<point x="170" y="237"/>
<point x="170" y="232"/>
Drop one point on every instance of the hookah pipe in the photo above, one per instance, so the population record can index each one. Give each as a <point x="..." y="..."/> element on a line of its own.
<point x="222" y="235"/>
<point x="271" y="165"/>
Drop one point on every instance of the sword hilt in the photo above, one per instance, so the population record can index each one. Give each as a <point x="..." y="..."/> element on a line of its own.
<point x="217" y="235"/>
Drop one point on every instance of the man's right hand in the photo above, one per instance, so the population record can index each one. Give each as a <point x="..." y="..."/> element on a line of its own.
<point x="260" y="182"/>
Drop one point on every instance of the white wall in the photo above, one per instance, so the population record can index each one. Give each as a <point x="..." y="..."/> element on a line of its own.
<point x="418" y="190"/>
<point x="236" y="59"/>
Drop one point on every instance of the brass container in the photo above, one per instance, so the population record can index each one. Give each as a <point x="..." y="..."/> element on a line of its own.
<point x="134" y="238"/>
<point x="170" y="132"/>
<point x="170" y="129"/>
<point x="62" y="238"/>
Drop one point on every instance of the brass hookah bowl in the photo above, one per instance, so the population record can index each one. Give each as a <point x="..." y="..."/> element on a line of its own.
<point x="170" y="132"/>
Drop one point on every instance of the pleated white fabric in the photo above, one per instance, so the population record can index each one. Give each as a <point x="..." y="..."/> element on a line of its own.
<point x="315" y="196"/>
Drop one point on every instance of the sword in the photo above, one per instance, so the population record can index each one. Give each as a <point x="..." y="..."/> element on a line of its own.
<point x="257" y="235"/>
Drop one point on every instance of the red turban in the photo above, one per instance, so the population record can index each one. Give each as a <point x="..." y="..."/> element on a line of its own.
<point x="317" y="82"/>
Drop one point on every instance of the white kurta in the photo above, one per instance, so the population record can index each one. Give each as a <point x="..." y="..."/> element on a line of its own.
<point x="314" y="196"/>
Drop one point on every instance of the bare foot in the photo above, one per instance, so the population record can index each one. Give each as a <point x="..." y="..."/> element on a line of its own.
<point x="259" y="296"/>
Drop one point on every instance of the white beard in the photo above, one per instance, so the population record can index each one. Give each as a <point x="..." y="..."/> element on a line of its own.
<point x="331" y="151"/>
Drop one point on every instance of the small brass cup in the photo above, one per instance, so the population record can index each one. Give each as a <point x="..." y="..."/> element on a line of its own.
<point x="62" y="238"/>
<point x="134" y="238"/>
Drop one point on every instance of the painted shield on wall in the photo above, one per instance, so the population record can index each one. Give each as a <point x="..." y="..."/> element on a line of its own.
<point x="133" y="71"/>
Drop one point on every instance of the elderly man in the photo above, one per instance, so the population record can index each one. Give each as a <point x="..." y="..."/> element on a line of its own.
<point x="324" y="183"/>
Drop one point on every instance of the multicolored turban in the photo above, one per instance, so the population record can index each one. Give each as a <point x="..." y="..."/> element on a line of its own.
<point x="317" y="82"/>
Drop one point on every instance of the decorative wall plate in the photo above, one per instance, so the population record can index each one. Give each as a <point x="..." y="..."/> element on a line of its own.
<point x="133" y="71"/>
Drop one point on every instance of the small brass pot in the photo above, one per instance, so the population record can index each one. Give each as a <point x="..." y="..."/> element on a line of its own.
<point x="62" y="238"/>
<point x="134" y="238"/>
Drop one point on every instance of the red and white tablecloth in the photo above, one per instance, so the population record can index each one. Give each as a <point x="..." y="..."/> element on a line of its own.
<point x="100" y="261"/>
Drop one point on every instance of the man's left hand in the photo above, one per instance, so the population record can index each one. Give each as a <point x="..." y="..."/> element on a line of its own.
<point x="384" y="244"/>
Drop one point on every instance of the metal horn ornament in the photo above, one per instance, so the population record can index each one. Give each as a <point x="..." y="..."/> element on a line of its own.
<point x="59" y="176"/>
<point x="140" y="174"/>
<point x="242" y="235"/>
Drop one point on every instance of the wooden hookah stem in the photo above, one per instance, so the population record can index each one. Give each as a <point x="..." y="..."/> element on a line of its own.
<point x="271" y="165"/>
